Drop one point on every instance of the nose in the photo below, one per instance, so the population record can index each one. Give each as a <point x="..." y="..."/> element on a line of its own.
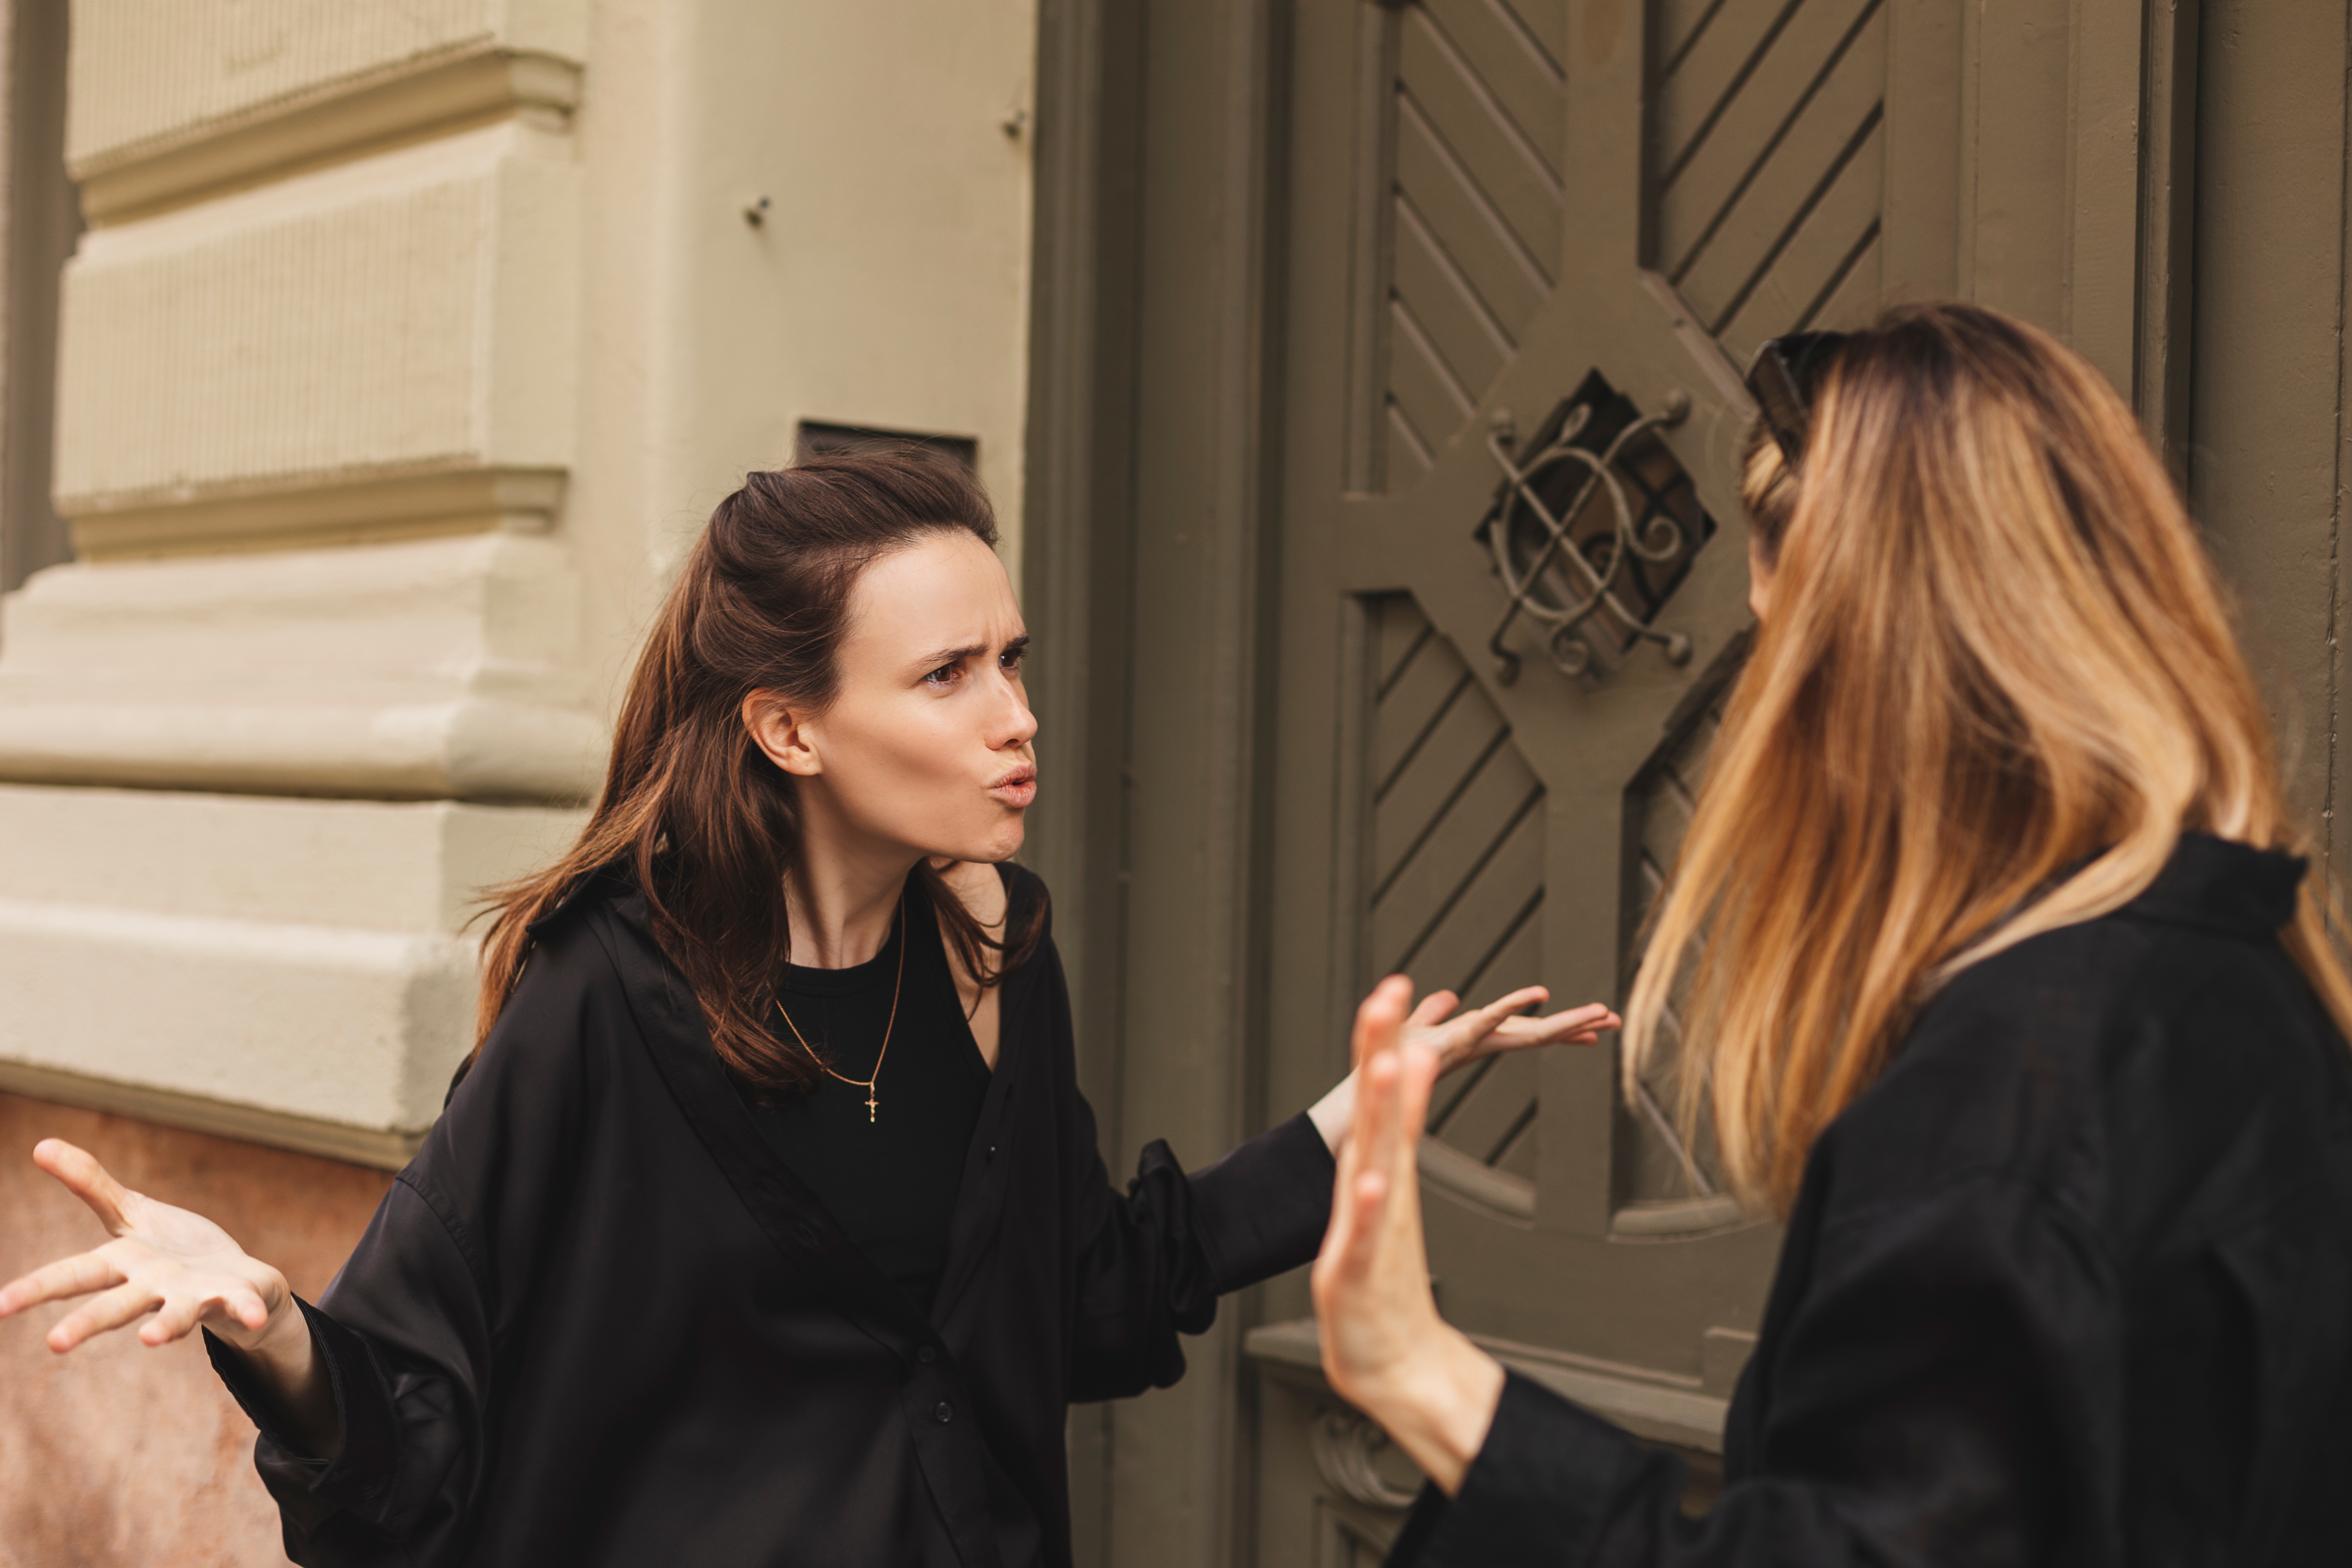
<point x="1016" y="726"/>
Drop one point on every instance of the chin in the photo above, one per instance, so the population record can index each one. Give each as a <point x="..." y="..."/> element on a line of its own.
<point x="1006" y="843"/>
<point x="987" y="849"/>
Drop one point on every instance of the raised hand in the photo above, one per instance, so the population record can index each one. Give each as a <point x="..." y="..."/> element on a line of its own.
<point x="1385" y="1349"/>
<point x="174" y="1269"/>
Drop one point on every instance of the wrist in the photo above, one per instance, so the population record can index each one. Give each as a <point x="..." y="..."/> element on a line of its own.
<point x="1438" y="1403"/>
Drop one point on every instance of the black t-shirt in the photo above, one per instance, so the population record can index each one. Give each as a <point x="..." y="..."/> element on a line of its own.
<point x="890" y="1173"/>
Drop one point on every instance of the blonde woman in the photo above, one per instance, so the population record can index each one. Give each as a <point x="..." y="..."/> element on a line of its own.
<point x="2015" y="1003"/>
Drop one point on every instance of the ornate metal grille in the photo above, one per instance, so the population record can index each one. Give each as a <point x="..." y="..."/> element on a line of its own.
<point x="1592" y="528"/>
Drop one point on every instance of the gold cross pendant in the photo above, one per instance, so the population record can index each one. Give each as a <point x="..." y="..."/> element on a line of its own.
<point x="870" y="1102"/>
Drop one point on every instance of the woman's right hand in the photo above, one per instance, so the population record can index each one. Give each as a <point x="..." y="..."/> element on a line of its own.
<point x="174" y="1269"/>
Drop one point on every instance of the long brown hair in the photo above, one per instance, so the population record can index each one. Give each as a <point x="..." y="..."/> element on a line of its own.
<point x="693" y="813"/>
<point x="1996" y="683"/>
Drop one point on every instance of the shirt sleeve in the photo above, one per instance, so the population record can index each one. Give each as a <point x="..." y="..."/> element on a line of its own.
<point x="412" y="1330"/>
<point x="1930" y="1402"/>
<point x="1152" y="1262"/>
<point x="408" y="1413"/>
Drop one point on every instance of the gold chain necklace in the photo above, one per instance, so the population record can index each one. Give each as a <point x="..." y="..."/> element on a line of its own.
<point x="872" y="1104"/>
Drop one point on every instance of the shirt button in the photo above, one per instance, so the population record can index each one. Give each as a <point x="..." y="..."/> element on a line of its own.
<point x="944" y="1413"/>
<point x="927" y="1354"/>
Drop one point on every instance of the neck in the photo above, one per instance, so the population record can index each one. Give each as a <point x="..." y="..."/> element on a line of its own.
<point x="841" y="898"/>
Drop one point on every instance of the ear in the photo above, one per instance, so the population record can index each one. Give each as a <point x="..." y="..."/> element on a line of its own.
<point x="784" y="733"/>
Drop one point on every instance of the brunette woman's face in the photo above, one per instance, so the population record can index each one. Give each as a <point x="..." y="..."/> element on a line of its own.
<point x="926" y="745"/>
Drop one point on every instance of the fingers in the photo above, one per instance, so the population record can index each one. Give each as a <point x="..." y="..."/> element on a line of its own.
<point x="1433" y="1010"/>
<point x="180" y="1314"/>
<point x="1360" y="1249"/>
<point x="1417" y="1073"/>
<point x="87" y="1180"/>
<point x="117" y="1306"/>
<point x="1580" y="1025"/>
<point x="69" y="1277"/>
<point x="1381" y="1016"/>
<point x="1348" y="1241"/>
<point x="1526" y="997"/>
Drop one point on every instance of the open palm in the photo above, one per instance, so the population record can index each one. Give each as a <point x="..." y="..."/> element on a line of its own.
<point x="1498" y="1026"/>
<point x="172" y="1267"/>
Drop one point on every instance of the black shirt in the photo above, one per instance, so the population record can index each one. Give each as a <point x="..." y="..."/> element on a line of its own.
<point x="2072" y="1283"/>
<point x="598" y="1321"/>
<point x="888" y="1173"/>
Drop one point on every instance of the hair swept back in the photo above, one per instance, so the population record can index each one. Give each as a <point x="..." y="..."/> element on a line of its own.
<point x="692" y="811"/>
<point x="1997" y="681"/>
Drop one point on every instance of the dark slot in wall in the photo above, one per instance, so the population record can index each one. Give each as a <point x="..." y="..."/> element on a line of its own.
<point x="816" y="437"/>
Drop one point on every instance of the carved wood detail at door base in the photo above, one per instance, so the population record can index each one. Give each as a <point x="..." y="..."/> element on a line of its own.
<point x="1348" y="1446"/>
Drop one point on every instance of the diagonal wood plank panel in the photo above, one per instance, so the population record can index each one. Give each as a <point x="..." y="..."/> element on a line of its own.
<point x="1663" y="1165"/>
<point x="1476" y="117"/>
<point x="1766" y="161"/>
<point x="1456" y="860"/>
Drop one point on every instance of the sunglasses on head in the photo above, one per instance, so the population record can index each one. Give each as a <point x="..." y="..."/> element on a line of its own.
<point x="1781" y="382"/>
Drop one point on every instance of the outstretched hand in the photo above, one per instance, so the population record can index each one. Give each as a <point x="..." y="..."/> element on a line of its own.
<point x="1495" y="1027"/>
<point x="1385" y="1349"/>
<point x="172" y="1269"/>
<point x="1453" y="1042"/>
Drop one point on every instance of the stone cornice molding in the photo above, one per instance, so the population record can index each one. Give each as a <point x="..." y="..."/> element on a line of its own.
<point x="429" y="96"/>
<point x="423" y="669"/>
<point x="370" y="506"/>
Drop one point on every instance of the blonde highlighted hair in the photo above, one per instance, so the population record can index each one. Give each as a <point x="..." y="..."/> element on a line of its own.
<point x="1997" y="681"/>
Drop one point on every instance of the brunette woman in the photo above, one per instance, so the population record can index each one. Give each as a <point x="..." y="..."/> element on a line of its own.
<point x="766" y="1226"/>
<point x="2014" y="1002"/>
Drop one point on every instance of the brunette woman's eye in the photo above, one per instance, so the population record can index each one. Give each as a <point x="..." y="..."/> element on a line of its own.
<point x="1010" y="658"/>
<point x="945" y="675"/>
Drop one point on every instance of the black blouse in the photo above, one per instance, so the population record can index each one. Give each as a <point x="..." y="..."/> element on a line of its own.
<point x="599" y="1321"/>
<point x="2070" y="1284"/>
<point x="888" y="1172"/>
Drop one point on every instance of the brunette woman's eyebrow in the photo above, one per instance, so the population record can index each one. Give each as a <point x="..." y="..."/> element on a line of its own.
<point x="958" y="655"/>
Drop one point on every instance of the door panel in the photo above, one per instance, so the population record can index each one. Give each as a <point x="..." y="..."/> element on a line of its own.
<point x="1529" y="247"/>
<point x="1459" y="170"/>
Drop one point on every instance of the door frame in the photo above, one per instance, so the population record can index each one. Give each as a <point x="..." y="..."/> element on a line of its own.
<point x="1160" y="142"/>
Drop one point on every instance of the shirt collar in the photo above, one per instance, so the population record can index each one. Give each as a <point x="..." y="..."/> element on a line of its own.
<point x="2224" y="886"/>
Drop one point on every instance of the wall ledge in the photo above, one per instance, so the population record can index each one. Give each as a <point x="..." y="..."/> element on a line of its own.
<point x="379" y="1148"/>
<point x="431" y="95"/>
<point x="409" y="501"/>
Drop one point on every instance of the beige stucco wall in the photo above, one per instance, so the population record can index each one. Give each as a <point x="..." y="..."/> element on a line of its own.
<point x="409" y="346"/>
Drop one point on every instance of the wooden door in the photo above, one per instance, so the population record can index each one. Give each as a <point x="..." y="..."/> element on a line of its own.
<point x="1530" y="245"/>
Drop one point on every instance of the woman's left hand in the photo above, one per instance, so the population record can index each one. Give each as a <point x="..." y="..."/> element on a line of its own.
<point x="1498" y="1026"/>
